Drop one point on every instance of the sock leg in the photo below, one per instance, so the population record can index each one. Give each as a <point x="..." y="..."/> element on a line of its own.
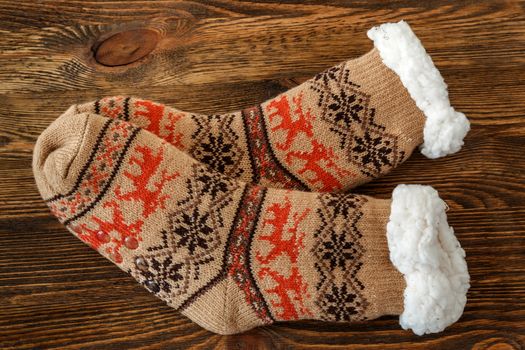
<point x="344" y="127"/>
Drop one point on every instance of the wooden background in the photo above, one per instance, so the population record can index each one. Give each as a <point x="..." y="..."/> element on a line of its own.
<point x="213" y="56"/>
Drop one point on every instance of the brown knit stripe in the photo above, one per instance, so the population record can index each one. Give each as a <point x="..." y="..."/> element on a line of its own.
<point x="126" y="109"/>
<point x="239" y="260"/>
<point x="265" y="164"/>
<point x="97" y="106"/>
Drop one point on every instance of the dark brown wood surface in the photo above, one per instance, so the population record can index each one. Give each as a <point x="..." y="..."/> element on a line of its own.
<point x="215" y="56"/>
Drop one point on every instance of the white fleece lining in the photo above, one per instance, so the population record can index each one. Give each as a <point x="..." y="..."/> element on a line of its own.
<point x="401" y="51"/>
<point x="425" y="250"/>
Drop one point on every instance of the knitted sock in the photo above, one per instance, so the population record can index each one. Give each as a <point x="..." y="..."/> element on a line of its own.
<point x="232" y="256"/>
<point x="344" y="127"/>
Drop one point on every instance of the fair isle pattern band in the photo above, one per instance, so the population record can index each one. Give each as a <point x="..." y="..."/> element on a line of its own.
<point x="348" y="111"/>
<point x="264" y="162"/>
<point x="113" y="108"/>
<point x="238" y="260"/>
<point x="339" y="252"/>
<point x="97" y="174"/>
<point x="163" y="274"/>
<point x="190" y="252"/>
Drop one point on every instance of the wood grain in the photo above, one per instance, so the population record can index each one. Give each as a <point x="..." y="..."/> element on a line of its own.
<point x="215" y="56"/>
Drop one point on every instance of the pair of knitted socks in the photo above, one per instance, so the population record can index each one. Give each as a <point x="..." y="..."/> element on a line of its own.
<point x="243" y="219"/>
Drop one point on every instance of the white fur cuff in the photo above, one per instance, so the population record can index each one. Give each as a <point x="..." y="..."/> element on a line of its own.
<point x="425" y="250"/>
<point x="401" y="51"/>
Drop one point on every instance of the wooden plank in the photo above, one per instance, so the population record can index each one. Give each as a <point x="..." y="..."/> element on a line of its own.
<point x="236" y="48"/>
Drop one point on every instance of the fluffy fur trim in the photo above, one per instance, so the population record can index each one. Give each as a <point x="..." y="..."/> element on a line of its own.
<point x="425" y="250"/>
<point x="401" y="51"/>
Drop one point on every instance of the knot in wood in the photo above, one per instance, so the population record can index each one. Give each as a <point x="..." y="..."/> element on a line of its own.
<point x="126" y="47"/>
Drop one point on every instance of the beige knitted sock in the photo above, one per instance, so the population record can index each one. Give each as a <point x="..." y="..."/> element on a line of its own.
<point x="346" y="126"/>
<point x="232" y="256"/>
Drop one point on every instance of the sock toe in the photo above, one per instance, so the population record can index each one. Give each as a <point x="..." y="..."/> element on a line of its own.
<point x="55" y="151"/>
